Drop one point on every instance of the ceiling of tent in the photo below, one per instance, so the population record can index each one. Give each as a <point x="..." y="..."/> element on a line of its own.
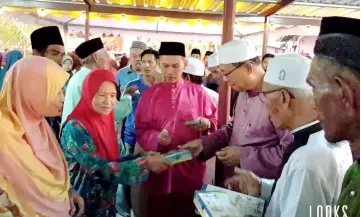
<point x="108" y="13"/>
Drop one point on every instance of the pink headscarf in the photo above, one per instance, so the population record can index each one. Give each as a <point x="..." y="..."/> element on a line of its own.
<point x="33" y="170"/>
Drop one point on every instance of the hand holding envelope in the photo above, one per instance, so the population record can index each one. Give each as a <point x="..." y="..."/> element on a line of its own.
<point x="159" y="162"/>
<point x="200" y="124"/>
<point x="155" y="162"/>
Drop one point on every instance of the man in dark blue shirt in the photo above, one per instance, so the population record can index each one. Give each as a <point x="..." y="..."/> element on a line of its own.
<point x="149" y="64"/>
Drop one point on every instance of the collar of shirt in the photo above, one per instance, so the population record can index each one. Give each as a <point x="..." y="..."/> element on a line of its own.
<point x="304" y="126"/>
<point x="132" y="71"/>
<point x="252" y="93"/>
<point x="173" y="85"/>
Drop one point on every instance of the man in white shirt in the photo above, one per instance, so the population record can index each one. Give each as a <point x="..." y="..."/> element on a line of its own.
<point x="194" y="72"/>
<point x="312" y="169"/>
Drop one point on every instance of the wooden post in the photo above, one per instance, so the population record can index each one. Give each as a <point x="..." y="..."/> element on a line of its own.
<point x="66" y="31"/>
<point x="265" y="35"/>
<point x="87" y="23"/>
<point x="229" y="13"/>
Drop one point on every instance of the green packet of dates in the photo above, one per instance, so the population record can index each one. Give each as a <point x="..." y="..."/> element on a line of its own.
<point x="179" y="156"/>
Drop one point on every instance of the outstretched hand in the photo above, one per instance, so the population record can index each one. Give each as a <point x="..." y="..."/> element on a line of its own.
<point x="155" y="162"/>
<point x="203" y="124"/>
<point x="230" y="155"/>
<point x="195" y="147"/>
<point x="245" y="182"/>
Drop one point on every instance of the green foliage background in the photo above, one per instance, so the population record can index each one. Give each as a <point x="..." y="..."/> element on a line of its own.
<point x="15" y="34"/>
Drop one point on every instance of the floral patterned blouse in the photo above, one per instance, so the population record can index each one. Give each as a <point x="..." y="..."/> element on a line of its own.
<point x="96" y="179"/>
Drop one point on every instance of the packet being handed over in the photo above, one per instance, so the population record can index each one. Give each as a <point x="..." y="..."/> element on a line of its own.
<point x="179" y="156"/>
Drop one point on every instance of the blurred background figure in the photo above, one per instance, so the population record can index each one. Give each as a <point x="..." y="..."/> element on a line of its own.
<point x="123" y="61"/>
<point x="205" y="59"/>
<point x="196" y="53"/>
<point x="158" y="76"/>
<point x="114" y="65"/>
<point x="12" y="57"/>
<point x="76" y="62"/>
<point x="67" y="65"/>
<point x="212" y="80"/>
<point x="265" y="59"/>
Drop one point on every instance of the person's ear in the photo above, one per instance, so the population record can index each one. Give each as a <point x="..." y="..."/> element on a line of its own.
<point x="286" y="99"/>
<point x="185" y="63"/>
<point x="95" y="57"/>
<point x="249" y="66"/>
<point x="347" y="94"/>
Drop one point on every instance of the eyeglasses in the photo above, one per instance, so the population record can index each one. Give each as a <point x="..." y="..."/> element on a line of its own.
<point x="229" y="73"/>
<point x="263" y="94"/>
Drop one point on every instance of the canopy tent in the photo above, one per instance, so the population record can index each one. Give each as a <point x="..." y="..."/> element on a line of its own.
<point x="268" y="13"/>
<point x="192" y="18"/>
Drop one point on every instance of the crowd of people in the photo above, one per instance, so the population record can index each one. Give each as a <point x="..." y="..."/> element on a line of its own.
<point x="81" y="137"/>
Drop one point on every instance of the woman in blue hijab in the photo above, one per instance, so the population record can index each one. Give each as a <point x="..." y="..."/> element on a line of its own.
<point x="11" y="58"/>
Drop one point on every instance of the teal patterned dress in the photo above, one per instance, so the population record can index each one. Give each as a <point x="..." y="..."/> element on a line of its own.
<point x="96" y="179"/>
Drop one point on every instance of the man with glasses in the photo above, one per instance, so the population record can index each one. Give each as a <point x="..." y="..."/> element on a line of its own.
<point x="250" y="140"/>
<point x="47" y="42"/>
<point x="310" y="162"/>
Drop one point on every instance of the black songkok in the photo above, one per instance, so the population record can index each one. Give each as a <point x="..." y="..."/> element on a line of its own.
<point x="196" y="51"/>
<point x="43" y="37"/>
<point x="172" y="49"/>
<point x="208" y="53"/>
<point x="339" y="40"/>
<point x="87" y="48"/>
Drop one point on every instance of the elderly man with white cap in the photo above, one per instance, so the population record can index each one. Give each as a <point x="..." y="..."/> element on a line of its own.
<point x="313" y="168"/>
<point x="250" y="140"/>
<point x="194" y="72"/>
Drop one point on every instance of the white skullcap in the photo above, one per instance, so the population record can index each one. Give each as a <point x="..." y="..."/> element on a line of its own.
<point x="236" y="51"/>
<point x="288" y="70"/>
<point x="195" y="67"/>
<point x="213" y="60"/>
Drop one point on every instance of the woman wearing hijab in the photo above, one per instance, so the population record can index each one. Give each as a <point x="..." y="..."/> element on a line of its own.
<point x="33" y="171"/>
<point x="67" y="65"/>
<point x="12" y="57"/>
<point x="76" y="62"/>
<point x="93" y="150"/>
